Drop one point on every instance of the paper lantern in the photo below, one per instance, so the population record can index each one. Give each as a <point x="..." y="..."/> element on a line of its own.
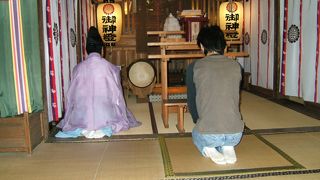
<point x="109" y="18"/>
<point x="231" y="19"/>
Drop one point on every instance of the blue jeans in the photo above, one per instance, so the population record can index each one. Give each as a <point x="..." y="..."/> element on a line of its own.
<point x="214" y="140"/>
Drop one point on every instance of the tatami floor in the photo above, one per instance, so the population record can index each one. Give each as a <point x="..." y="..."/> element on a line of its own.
<point x="278" y="143"/>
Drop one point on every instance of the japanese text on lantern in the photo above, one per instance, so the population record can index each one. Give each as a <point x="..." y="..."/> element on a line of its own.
<point x="109" y="25"/>
<point x="109" y="22"/>
<point x="231" y="19"/>
<point x="108" y="29"/>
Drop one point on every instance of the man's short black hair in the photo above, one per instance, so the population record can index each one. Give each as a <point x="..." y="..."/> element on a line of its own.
<point x="94" y="41"/>
<point x="212" y="39"/>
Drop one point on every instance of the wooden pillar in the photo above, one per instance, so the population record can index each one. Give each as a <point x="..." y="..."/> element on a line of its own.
<point x="27" y="132"/>
<point x="277" y="48"/>
<point x="44" y="114"/>
<point x="79" y="35"/>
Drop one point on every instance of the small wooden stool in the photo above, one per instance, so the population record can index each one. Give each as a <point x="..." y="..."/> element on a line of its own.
<point x="182" y="106"/>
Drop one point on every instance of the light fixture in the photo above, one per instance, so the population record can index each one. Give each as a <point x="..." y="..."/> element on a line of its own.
<point x="109" y="18"/>
<point x="231" y="18"/>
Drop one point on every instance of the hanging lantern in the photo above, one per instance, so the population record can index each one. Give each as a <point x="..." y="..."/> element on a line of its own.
<point x="231" y="18"/>
<point x="109" y="18"/>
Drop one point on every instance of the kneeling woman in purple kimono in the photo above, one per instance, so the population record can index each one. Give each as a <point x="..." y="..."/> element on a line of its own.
<point x="95" y="105"/>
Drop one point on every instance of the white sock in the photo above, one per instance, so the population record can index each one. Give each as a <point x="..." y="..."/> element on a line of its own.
<point x="229" y="154"/>
<point x="88" y="134"/>
<point x="93" y="134"/>
<point x="214" y="155"/>
<point x="99" y="134"/>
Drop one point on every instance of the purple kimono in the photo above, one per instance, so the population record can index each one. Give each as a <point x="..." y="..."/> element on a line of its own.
<point x="95" y="98"/>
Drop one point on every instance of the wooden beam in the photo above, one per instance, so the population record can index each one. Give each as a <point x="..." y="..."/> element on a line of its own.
<point x="234" y="42"/>
<point x="164" y="32"/>
<point x="171" y="43"/>
<point x="236" y="54"/>
<point x="45" y="126"/>
<point x="178" y="47"/>
<point x="171" y="90"/>
<point x="190" y="56"/>
<point x="175" y="56"/>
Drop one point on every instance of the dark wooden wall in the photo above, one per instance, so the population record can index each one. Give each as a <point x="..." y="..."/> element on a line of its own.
<point x="150" y="15"/>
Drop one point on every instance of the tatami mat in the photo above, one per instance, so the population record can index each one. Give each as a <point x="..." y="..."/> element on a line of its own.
<point x="86" y="161"/>
<point x="73" y="161"/>
<point x="303" y="147"/>
<point x="260" y="113"/>
<point x="141" y="113"/>
<point x="253" y="154"/>
<point x="127" y="159"/>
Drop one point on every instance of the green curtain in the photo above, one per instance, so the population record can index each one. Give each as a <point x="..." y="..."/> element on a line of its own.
<point x="29" y="11"/>
<point x="8" y="105"/>
<point x="29" y="14"/>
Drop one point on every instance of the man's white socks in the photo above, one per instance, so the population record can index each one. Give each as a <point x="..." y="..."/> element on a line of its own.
<point x="214" y="155"/>
<point x="229" y="154"/>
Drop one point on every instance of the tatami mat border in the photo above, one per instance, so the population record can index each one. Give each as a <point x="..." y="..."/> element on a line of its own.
<point x="247" y="176"/>
<point x="168" y="170"/>
<point x="286" y="130"/>
<point x="138" y="137"/>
